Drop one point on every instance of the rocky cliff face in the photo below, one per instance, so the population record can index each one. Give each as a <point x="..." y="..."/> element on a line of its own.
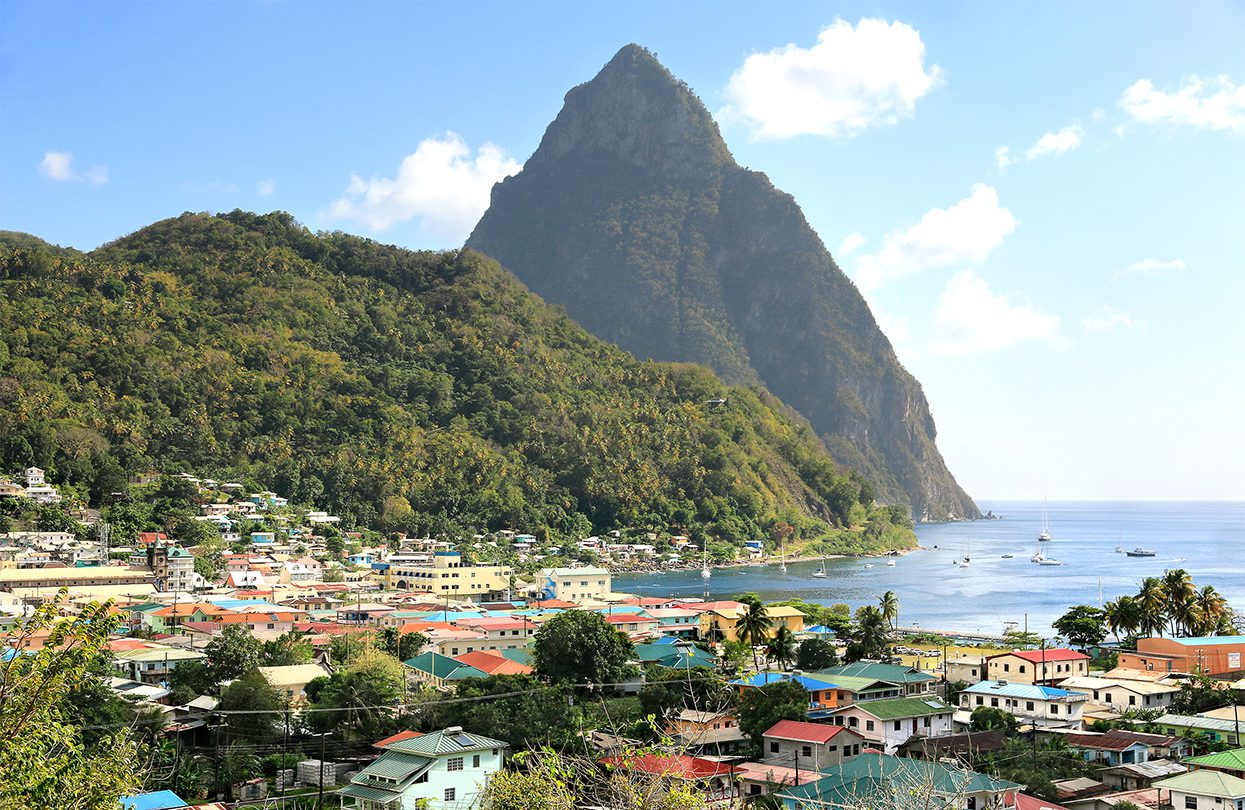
<point x="634" y="216"/>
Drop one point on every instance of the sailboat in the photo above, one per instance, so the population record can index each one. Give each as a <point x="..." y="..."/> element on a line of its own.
<point x="965" y="561"/>
<point x="1045" y="535"/>
<point x="820" y="573"/>
<point x="704" y="566"/>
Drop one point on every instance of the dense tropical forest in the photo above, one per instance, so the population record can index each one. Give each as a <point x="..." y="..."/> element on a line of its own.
<point x="424" y="392"/>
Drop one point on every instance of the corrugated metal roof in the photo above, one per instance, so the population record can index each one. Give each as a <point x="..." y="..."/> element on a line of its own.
<point x="353" y="791"/>
<point x="1023" y="690"/>
<point x="898" y="708"/>
<point x="446" y="742"/>
<point x="396" y="765"/>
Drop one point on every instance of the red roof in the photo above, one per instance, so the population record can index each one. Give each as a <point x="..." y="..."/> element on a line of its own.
<point x="1038" y="656"/>
<point x="1026" y="802"/>
<point x="802" y="731"/>
<point x="554" y="603"/>
<point x="644" y="600"/>
<point x="493" y="664"/>
<point x="680" y="767"/>
<point x="399" y="737"/>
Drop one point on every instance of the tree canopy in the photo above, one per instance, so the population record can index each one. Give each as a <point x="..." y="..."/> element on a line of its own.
<point x="581" y="647"/>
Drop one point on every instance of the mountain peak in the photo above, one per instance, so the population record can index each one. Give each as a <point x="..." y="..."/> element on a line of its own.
<point x="635" y="111"/>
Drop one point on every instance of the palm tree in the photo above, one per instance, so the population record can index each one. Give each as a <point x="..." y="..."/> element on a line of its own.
<point x="1152" y="599"/>
<point x="752" y="626"/>
<point x="1188" y="616"/>
<point x="781" y="647"/>
<point x="1123" y="615"/>
<point x="1212" y="607"/>
<point x="888" y="604"/>
<point x="873" y="633"/>
<point x="1178" y="586"/>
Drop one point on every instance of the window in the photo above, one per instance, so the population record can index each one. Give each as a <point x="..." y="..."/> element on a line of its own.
<point x="1054" y="708"/>
<point x="773" y="747"/>
<point x="980" y="700"/>
<point x="1132" y="700"/>
<point x="853" y="722"/>
<point x="1029" y="705"/>
<point x="454" y="764"/>
<point x="1190" y="802"/>
<point x="475" y="761"/>
<point x="1022" y="667"/>
<point x="449" y="794"/>
<point x="806" y="750"/>
<point x="897" y="725"/>
<point x="1007" y="667"/>
<point x="868" y="725"/>
<point x="994" y="702"/>
<point x="926" y="723"/>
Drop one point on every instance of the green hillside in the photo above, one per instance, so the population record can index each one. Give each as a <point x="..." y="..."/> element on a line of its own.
<point x="426" y="392"/>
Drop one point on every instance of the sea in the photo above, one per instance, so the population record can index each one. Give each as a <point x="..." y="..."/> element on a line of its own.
<point x="993" y="594"/>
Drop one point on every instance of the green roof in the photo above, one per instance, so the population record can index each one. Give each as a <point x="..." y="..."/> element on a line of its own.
<point x="877" y="777"/>
<point x="448" y="741"/>
<point x="857" y="683"/>
<point x="1213" y="783"/>
<point x="519" y="655"/>
<point x="1234" y="759"/>
<point x="896" y="708"/>
<point x="396" y="765"/>
<point x="894" y="673"/>
<point x="444" y="667"/>
<point x="353" y="791"/>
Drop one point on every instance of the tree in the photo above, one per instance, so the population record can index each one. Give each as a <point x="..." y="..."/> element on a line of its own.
<point x="286" y="650"/>
<point x="988" y="718"/>
<point x="816" y="654"/>
<point x="1122" y="616"/>
<point x="1083" y="625"/>
<point x="1152" y="601"/>
<point x="44" y="760"/>
<point x="1181" y="601"/>
<point x="515" y="708"/>
<point x="888" y="605"/>
<point x="403" y="646"/>
<point x="362" y="697"/>
<point x="752" y="626"/>
<point x="781" y="647"/>
<point x="233" y="653"/>
<point x="253" y="693"/>
<point x="760" y="708"/>
<point x="581" y="647"/>
<point x="872" y="636"/>
<point x="1201" y="693"/>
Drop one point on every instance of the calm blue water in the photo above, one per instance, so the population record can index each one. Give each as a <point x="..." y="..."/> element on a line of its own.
<point x="1205" y="538"/>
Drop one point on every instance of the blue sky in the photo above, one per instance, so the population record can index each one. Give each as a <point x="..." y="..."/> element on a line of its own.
<point x="1073" y="307"/>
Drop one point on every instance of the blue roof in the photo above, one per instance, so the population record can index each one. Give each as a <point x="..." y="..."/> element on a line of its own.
<point x="1206" y="641"/>
<point x="767" y="678"/>
<point x="819" y="629"/>
<point x="1021" y="690"/>
<point x="667" y="640"/>
<point x="453" y="615"/>
<point x="157" y="800"/>
<point x="250" y="604"/>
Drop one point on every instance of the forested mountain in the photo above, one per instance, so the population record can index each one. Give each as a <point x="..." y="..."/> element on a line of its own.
<point x="634" y="216"/>
<point x="413" y="391"/>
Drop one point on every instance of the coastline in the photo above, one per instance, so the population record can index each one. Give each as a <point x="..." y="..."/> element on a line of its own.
<point x="762" y="563"/>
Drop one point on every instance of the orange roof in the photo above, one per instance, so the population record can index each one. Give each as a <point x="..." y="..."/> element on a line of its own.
<point x="399" y="737"/>
<point x="493" y="664"/>
<point x="419" y="627"/>
<point x="554" y="603"/>
<point x="680" y="766"/>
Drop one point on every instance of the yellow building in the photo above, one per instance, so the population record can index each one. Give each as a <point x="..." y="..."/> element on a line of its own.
<point x="719" y="623"/>
<point x="446" y="576"/>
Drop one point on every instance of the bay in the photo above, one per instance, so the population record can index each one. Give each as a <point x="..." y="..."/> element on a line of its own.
<point x="1205" y="538"/>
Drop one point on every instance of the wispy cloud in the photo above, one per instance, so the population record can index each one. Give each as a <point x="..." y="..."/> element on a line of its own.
<point x="1003" y="158"/>
<point x="1203" y="103"/>
<point x="1056" y="143"/>
<point x="1149" y="267"/>
<point x="944" y="237"/>
<point x="441" y="183"/>
<point x="970" y="319"/>
<point x="59" y="166"/>
<point x="266" y="188"/>
<point x="855" y="77"/>
<point x="1108" y="319"/>
<point x="851" y="243"/>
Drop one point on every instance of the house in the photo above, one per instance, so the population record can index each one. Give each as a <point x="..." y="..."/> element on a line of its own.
<point x="1039" y="706"/>
<point x="447" y="577"/>
<point x="706" y="733"/>
<point x="1122" y="695"/>
<point x="34" y="477"/>
<point x="886" y="724"/>
<point x="719" y="623"/>
<point x="1230" y="762"/>
<point x="152" y="662"/>
<point x="1207" y="655"/>
<point x="910" y="680"/>
<point x="811" y="746"/>
<point x="155" y="800"/>
<point x="441" y="670"/>
<point x="1204" y="790"/>
<point x="713" y="781"/>
<point x="494" y="663"/>
<point x="966" y="668"/>
<point x="444" y="769"/>
<point x="676" y="621"/>
<point x="760" y="778"/>
<point x="1043" y="667"/>
<point x="632" y="624"/>
<point x="822" y="695"/>
<point x="671" y="654"/>
<point x="873" y="780"/>
<point x="962" y="747"/>
<point x="574" y="584"/>
<point x="1213" y="729"/>
<point x="291" y="681"/>
<point x="1102" y="749"/>
<point x="501" y="632"/>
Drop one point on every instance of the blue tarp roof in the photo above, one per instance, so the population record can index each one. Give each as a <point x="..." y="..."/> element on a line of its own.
<point x="766" y="678"/>
<point x="156" y="800"/>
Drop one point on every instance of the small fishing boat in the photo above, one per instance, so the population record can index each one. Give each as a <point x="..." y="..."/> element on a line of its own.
<point x="1008" y="556"/>
<point x="890" y="563"/>
<point x="1140" y="552"/>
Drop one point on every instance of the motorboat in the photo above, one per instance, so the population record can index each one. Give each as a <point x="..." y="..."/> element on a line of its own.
<point x="1140" y="552"/>
<point x="1008" y="556"/>
<point x="1048" y="561"/>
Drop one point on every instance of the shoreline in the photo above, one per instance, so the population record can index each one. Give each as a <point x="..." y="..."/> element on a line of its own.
<point x="764" y="563"/>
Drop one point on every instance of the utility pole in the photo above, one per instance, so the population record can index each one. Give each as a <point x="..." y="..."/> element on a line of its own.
<point x="320" y="796"/>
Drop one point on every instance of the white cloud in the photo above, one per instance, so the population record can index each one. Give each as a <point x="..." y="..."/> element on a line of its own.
<point x="851" y="243"/>
<point x="1098" y="114"/>
<point x="971" y="319"/>
<point x="1056" y="143"/>
<point x="441" y="184"/>
<point x="1149" y="267"/>
<point x="59" y="166"/>
<point x="965" y="232"/>
<point x="1107" y="319"/>
<point x="1207" y="104"/>
<point x="266" y="188"/>
<point x="1002" y="158"/>
<point x="853" y="78"/>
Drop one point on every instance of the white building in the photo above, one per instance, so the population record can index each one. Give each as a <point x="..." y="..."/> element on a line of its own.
<point x="445" y="770"/>
<point x="1122" y="695"/>
<point x="1040" y="706"/>
<point x="886" y="724"/>
<point x="34" y="477"/>
<point x="574" y="584"/>
<point x="1204" y="790"/>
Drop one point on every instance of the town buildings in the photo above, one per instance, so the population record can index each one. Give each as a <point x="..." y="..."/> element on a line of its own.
<point x="1045" y="667"/>
<point x="1206" y="655"/>
<point x="445" y="769"/>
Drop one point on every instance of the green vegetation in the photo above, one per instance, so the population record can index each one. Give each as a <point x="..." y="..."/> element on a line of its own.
<point x="418" y="392"/>
<point x="760" y="708"/>
<point x="1170" y="604"/>
<point x="581" y="647"/>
